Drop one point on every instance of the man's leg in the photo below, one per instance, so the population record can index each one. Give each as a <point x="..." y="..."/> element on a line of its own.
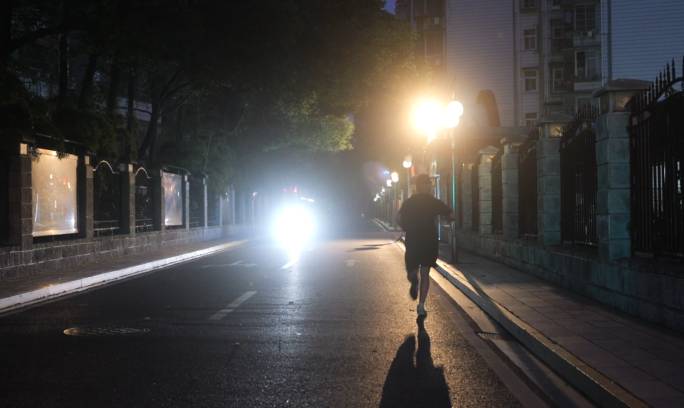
<point x="424" y="283"/>
<point x="412" y="276"/>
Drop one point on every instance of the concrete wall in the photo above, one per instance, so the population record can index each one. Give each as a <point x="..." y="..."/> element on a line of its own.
<point x="633" y="286"/>
<point x="44" y="257"/>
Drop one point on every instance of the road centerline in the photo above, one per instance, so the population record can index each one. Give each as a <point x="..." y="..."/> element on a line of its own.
<point x="237" y="302"/>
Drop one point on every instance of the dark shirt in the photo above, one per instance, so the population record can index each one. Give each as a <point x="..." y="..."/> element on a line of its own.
<point x="418" y="215"/>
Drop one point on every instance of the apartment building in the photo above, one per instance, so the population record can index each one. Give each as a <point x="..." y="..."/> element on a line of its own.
<point x="542" y="56"/>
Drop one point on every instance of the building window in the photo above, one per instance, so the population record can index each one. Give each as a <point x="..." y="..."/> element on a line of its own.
<point x="530" y="39"/>
<point x="557" y="79"/>
<point x="557" y="32"/>
<point x="529" y="4"/>
<point x="585" y="18"/>
<point x="530" y="80"/>
<point x="586" y="65"/>
<point x="434" y="44"/>
<point x="531" y="119"/>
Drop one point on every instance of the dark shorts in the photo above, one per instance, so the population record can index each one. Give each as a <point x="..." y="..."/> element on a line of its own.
<point x="421" y="252"/>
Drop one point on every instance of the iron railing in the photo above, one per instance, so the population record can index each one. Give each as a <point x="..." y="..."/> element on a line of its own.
<point x="196" y="202"/>
<point x="578" y="178"/>
<point x="527" y="186"/>
<point x="657" y="166"/>
<point x="106" y="199"/>
<point x="497" y="193"/>
<point x="144" y="201"/>
<point x="475" y="188"/>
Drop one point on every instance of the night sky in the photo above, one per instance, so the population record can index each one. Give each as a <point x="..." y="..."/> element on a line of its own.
<point x="389" y="5"/>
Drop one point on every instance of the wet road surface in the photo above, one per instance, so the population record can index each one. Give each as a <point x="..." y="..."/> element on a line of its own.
<point x="250" y="327"/>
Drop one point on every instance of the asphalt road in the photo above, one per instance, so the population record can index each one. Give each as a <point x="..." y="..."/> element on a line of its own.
<point x="250" y="328"/>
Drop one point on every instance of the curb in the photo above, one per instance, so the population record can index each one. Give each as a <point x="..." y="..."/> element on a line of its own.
<point x="597" y="387"/>
<point x="77" y="285"/>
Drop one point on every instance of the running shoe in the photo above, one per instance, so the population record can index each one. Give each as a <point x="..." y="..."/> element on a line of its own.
<point x="421" y="310"/>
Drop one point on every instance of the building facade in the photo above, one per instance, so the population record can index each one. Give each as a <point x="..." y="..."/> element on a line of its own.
<point x="541" y="56"/>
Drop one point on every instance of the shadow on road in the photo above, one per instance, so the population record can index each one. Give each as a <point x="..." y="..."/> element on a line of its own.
<point x="419" y="385"/>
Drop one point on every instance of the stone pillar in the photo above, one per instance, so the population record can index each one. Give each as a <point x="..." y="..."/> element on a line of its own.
<point x="613" y="169"/>
<point x="509" y="184"/>
<point x="127" y="186"/>
<point x="466" y="195"/>
<point x="84" y="198"/>
<point x="485" y="188"/>
<point x="185" y="186"/>
<point x="231" y="206"/>
<point x="548" y="178"/>
<point x="158" y="200"/>
<point x="20" y="195"/>
<point x="219" y="209"/>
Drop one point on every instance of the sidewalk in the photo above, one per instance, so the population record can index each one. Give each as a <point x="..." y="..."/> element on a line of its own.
<point x="30" y="289"/>
<point x="615" y="359"/>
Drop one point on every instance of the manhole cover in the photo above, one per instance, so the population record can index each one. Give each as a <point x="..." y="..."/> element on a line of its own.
<point x="495" y="336"/>
<point x="103" y="331"/>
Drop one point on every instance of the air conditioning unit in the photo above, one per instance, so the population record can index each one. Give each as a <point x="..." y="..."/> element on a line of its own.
<point x="432" y="21"/>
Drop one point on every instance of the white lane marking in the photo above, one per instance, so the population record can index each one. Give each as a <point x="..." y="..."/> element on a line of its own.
<point x="237" y="302"/>
<point x="287" y="265"/>
<point x="248" y="265"/>
<point x="236" y="263"/>
<point x="351" y="262"/>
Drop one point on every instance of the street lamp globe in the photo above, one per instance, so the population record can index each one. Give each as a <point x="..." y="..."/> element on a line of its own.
<point x="428" y="116"/>
<point x="389" y="183"/>
<point x="407" y="161"/>
<point x="395" y="177"/>
<point x="454" y="110"/>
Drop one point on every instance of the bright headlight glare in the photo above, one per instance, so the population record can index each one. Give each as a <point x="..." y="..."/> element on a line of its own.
<point x="294" y="226"/>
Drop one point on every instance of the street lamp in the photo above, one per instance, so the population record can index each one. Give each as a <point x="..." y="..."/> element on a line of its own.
<point x="395" y="178"/>
<point x="407" y="166"/>
<point x="429" y="117"/>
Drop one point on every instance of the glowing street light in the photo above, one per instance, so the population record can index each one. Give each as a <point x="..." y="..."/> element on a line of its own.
<point x="407" y="166"/>
<point x="389" y="183"/>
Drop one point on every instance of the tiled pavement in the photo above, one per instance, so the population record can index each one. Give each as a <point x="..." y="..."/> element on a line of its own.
<point x="644" y="359"/>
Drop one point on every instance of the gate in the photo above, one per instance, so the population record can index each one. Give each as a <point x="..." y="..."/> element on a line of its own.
<point x="578" y="178"/>
<point x="657" y="166"/>
<point x="106" y="199"/>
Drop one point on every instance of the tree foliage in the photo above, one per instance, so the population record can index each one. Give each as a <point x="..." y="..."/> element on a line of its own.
<point x="225" y="84"/>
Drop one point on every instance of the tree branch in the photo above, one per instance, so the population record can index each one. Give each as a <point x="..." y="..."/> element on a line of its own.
<point x="143" y="111"/>
<point x="178" y="88"/>
<point x="170" y="82"/>
<point x="14" y="44"/>
<point x="178" y="105"/>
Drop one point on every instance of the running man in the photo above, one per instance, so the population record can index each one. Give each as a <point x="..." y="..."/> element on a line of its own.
<point x="417" y="217"/>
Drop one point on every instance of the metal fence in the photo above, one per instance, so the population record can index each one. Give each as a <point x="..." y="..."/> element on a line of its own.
<point x="106" y="199"/>
<point x="196" y="202"/>
<point x="657" y="166"/>
<point x="527" y="186"/>
<point x="475" y="189"/>
<point x="144" y="201"/>
<point x="4" y="197"/>
<point x="497" y="193"/>
<point x="578" y="178"/>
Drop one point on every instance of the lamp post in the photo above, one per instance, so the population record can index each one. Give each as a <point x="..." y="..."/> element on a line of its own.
<point x="429" y="117"/>
<point x="407" y="166"/>
<point x="395" y="178"/>
<point x="453" y="111"/>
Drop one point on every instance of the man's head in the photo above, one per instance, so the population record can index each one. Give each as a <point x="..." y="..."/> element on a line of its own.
<point x="423" y="184"/>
